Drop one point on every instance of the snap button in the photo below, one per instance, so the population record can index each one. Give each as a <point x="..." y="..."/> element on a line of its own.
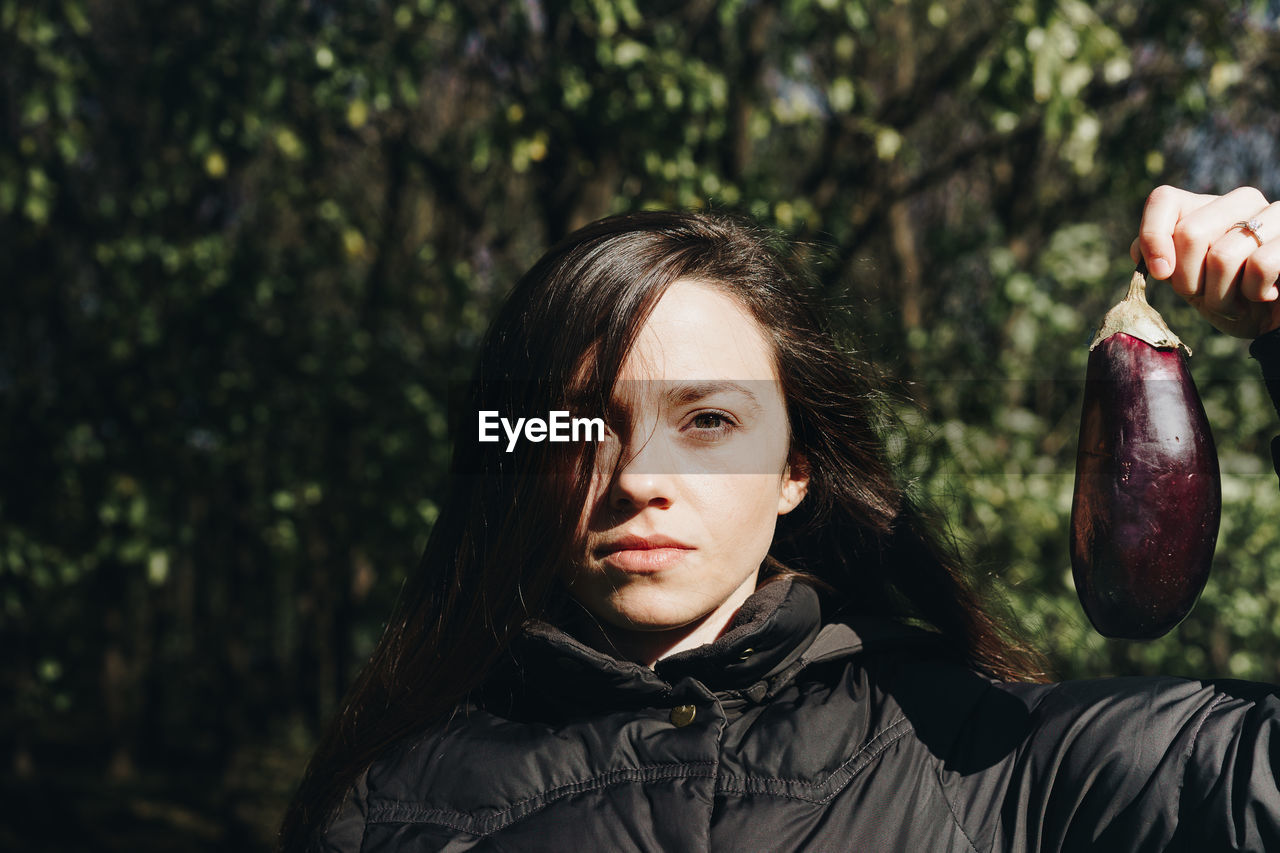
<point x="682" y="715"/>
<point x="746" y="653"/>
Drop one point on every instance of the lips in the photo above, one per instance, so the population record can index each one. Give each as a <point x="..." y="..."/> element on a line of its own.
<point x="643" y="554"/>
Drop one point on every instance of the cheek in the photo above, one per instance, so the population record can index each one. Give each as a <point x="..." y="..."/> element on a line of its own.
<point x="740" y="508"/>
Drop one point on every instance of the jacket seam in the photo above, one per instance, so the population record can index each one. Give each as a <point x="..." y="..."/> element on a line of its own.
<point x="850" y="768"/>
<point x="397" y="811"/>
<point x="942" y="791"/>
<point x="942" y="788"/>
<point x="1191" y="747"/>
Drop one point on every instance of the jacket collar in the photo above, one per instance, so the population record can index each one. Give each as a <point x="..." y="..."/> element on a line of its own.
<point x="776" y="632"/>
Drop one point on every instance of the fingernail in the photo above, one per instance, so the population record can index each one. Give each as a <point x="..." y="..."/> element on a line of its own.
<point x="1271" y="294"/>
<point x="1159" y="267"/>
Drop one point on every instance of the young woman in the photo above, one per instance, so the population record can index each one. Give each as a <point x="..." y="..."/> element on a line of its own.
<point x="725" y="627"/>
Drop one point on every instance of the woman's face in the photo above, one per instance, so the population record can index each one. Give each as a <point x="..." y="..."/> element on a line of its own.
<point x="672" y="541"/>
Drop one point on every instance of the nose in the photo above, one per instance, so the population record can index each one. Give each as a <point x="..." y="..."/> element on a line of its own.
<point x="644" y="480"/>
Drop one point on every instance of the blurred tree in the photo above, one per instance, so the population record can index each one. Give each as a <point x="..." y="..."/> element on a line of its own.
<point x="248" y="247"/>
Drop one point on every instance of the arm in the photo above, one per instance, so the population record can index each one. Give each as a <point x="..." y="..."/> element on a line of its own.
<point x="1137" y="763"/>
<point x="1108" y="764"/>
<point x="1230" y="799"/>
<point x="1147" y="764"/>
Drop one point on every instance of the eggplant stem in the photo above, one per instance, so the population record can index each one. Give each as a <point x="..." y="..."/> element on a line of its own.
<point x="1134" y="316"/>
<point x="1138" y="288"/>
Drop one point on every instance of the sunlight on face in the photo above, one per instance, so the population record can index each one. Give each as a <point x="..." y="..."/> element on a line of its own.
<point x="673" y="540"/>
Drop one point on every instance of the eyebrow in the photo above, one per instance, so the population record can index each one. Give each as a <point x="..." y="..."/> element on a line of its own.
<point x="692" y="392"/>
<point x="680" y="394"/>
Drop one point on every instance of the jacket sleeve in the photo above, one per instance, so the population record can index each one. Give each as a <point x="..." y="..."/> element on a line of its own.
<point x="1147" y="764"/>
<point x="1266" y="350"/>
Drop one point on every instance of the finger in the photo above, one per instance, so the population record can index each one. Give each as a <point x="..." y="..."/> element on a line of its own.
<point x="1260" y="280"/>
<point x="1165" y="208"/>
<point x="1195" y="234"/>
<point x="1226" y="265"/>
<point x="1135" y="251"/>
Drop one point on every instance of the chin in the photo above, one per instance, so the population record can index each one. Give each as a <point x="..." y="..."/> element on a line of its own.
<point x="657" y="615"/>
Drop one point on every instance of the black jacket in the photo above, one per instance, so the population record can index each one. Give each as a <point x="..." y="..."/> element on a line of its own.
<point x="791" y="733"/>
<point x="786" y="734"/>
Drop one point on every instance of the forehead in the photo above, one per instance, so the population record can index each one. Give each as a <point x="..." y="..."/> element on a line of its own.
<point x="699" y="332"/>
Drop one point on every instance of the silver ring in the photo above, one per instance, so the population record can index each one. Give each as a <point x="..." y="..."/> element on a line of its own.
<point x="1251" y="227"/>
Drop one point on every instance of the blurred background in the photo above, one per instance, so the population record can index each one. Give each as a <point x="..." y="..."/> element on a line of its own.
<point x="245" y="248"/>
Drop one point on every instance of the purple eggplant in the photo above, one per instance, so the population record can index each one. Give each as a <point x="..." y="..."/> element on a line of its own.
<point x="1148" y="496"/>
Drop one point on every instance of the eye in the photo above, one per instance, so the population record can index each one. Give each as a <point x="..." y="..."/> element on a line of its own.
<point x="709" y="420"/>
<point x="709" y="425"/>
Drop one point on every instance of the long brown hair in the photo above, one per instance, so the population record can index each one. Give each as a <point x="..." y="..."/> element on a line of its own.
<point x="508" y="522"/>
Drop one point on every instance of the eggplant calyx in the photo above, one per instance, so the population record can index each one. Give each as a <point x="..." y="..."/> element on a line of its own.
<point x="1136" y="318"/>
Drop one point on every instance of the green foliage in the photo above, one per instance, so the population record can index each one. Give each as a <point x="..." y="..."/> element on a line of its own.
<point x="250" y="245"/>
